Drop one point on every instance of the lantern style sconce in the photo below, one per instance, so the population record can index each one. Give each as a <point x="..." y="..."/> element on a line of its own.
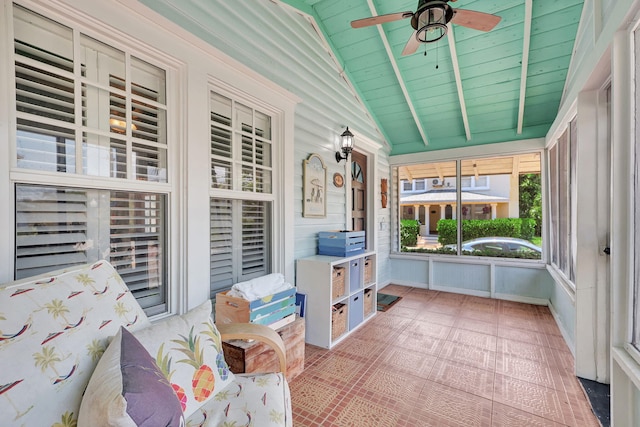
<point x="346" y="145"/>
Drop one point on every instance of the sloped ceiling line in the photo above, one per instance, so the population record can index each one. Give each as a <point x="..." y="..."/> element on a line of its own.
<point x="396" y="70"/>
<point x="456" y="71"/>
<point x="316" y="24"/>
<point x="526" y="44"/>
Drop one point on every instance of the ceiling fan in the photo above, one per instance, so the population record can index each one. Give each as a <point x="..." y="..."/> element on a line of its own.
<point x="430" y="21"/>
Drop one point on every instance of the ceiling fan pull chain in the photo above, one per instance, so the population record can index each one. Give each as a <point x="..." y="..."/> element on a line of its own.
<point x="437" y="56"/>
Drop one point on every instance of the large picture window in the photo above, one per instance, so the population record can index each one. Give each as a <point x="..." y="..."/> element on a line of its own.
<point x="242" y="196"/>
<point x="494" y="204"/>
<point x="93" y="116"/>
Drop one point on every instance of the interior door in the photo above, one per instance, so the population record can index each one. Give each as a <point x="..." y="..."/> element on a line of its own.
<point x="358" y="191"/>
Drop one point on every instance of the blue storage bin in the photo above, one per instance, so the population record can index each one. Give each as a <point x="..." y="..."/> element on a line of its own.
<point x="341" y="243"/>
<point x="356" y="309"/>
<point x="354" y="274"/>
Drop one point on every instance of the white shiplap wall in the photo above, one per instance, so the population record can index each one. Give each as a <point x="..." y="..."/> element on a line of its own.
<point x="281" y="44"/>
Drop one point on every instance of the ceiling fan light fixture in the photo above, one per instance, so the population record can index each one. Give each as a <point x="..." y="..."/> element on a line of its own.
<point x="430" y="23"/>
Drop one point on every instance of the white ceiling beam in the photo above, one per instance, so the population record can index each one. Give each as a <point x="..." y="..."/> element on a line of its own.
<point x="396" y="70"/>
<point x="407" y="173"/>
<point x="526" y="44"/>
<point x="456" y="72"/>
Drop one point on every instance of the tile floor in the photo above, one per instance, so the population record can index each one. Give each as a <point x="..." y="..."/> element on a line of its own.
<point x="443" y="359"/>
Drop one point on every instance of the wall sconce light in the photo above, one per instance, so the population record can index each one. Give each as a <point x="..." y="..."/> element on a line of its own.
<point x="346" y="145"/>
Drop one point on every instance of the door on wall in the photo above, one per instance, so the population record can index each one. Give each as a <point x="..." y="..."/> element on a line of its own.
<point x="358" y="191"/>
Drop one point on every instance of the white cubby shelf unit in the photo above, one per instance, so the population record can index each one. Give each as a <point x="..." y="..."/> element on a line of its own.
<point x="341" y="295"/>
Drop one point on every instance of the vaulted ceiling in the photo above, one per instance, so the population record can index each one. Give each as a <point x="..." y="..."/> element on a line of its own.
<point x="471" y="87"/>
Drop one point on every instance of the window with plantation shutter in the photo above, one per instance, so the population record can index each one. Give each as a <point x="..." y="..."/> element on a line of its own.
<point x="85" y="108"/>
<point x="61" y="227"/>
<point x="240" y="241"/>
<point x="121" y="131"/>
<point x="241" y="191"/>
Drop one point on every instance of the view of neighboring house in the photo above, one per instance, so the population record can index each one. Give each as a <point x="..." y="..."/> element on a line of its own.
<point x="489" y="189"/>
<point x="431" y="199"/>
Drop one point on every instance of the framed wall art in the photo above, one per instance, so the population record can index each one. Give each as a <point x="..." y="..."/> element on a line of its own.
<point x="314" y="185"/>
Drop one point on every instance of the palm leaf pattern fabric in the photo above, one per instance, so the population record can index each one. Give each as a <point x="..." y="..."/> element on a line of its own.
<point x="59" y="324"/>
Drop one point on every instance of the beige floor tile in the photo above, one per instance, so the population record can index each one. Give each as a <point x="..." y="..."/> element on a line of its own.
<point x="528" y="370"/>
<point x="506" y="416"/>
<point x="463" y="377"/>
<point x="533" y="398"/>
<point x="468" y="355"/>
<point x="473" y="339"/>
<point x="471" y="324"/>
<point x="453" y="407"/>
<point x="444" y="360"/>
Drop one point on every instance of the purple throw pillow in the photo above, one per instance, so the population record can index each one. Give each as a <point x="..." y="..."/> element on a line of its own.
<point x="151" y="401"/>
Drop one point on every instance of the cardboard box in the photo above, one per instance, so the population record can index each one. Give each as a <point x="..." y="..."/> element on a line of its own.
<point x="265" y="311"/>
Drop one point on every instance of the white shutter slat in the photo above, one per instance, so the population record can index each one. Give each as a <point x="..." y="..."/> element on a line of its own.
<point x="137" y="244"/>
<point x="255" y="244"/>
<point x="221" y="246"/>
<point x="51" y="226"/>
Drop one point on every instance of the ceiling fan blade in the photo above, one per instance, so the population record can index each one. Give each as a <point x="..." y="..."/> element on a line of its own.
<point x="476" y="20"/>
<point x="411" y="46"/>
<point x="380" y="19"/>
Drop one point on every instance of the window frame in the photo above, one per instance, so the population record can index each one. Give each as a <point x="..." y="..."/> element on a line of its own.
<point x="561" y="250"/>
<point x="536" y="145"/>
<point x="12" y="175"/>
<point x="274" y="198"/>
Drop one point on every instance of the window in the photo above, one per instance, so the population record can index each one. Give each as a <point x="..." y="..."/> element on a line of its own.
<point x="94" y="117"/>
<point x="561" y="174"/>
<point x="501" y="220"/>
<point x="58" y="227"/>
<point x="242" y="194"/>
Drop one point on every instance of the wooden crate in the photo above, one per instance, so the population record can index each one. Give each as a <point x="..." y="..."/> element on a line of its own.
<point x="368" y="270"/>
<point x="264" y="311"/>
<point x="251" y="357"/>
<point x="337" y="283"/>
<point x="369" y="301"/>
<point x="339" y="317"/>
<point x="341" y="243"/>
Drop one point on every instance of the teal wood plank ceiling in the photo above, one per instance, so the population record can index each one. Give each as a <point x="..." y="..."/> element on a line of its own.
<point x="471" y="88"/>
<point x="489" y="66"/>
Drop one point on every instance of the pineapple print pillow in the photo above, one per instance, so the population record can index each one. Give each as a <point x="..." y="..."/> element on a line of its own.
<point x="188" y="350"/>
<point x="127" y="389"/>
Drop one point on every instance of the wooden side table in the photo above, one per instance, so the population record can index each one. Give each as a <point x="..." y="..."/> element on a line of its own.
<point x="255" y="356"/>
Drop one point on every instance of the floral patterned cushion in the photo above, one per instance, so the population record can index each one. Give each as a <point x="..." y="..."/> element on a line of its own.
<point x="53" y="330"/>
<point x="188" y="350"/>
<point x="251" y="400"/>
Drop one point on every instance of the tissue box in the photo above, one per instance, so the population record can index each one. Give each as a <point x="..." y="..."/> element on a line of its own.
<point x="265" y="311"/>
<point x="341" y="243"/>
